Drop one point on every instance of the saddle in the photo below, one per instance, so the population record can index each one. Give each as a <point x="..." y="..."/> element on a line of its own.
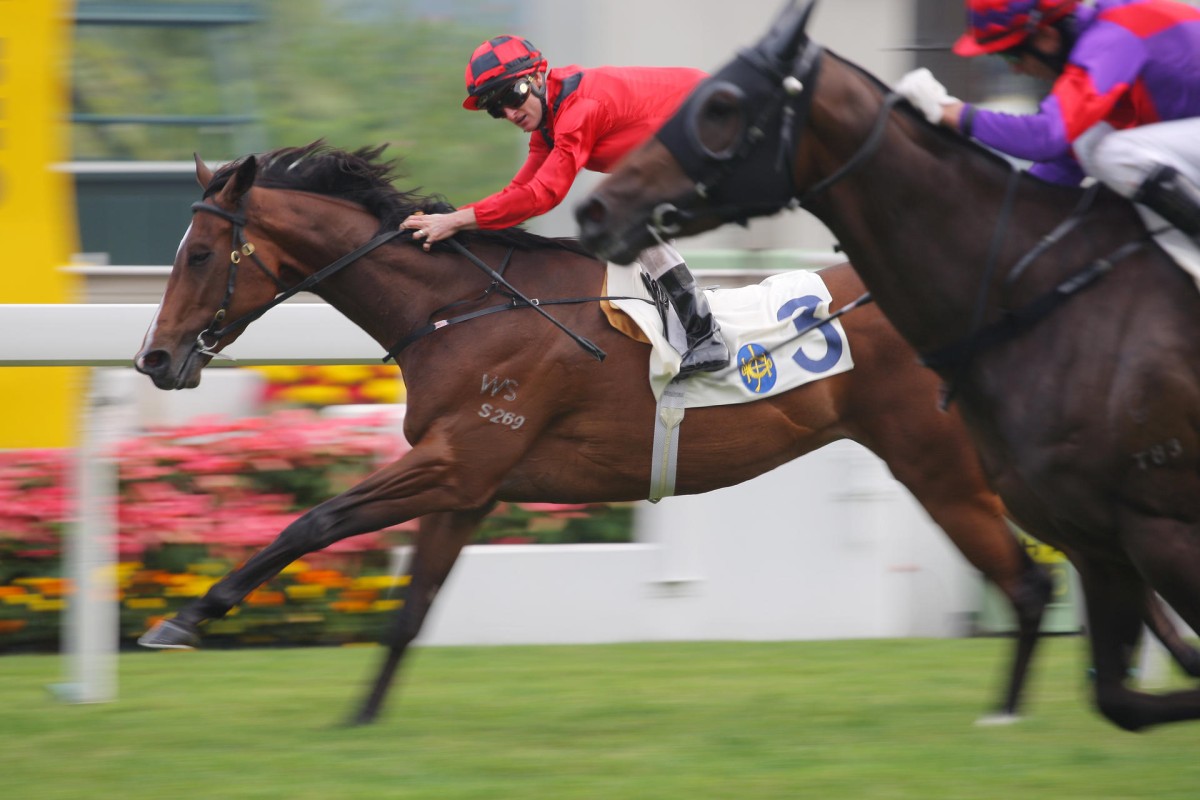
<point x="762" y="325"/>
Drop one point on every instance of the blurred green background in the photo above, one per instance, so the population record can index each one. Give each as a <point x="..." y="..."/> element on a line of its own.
<point x="286" y="72"/>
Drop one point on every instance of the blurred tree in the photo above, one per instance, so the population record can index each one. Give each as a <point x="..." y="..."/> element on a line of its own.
<point x="353" y="72"/>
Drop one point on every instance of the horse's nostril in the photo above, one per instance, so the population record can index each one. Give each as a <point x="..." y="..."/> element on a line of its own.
<point x="150" y="361"/>
<point x="591" y="212"/>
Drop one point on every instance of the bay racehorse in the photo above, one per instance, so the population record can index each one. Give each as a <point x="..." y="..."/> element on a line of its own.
<point x="1068" y="339"/>
<point x="580" y="430"/>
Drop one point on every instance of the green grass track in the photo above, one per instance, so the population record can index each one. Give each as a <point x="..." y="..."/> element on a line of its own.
<point x="694" y="721"/>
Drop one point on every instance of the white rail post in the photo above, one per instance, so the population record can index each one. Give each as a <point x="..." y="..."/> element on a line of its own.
<point x="91" y="633"/>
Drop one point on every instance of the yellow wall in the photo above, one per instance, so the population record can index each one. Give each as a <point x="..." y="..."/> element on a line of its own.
<point x="38" y="405"/>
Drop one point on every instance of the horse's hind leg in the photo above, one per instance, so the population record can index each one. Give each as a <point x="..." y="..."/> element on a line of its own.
<point x="438" y="543"/>
<point x="932" y="456"/>
<point x="1115" y="595"/>
<point x="1028" y="590"/>
<point x="952" y="490"/>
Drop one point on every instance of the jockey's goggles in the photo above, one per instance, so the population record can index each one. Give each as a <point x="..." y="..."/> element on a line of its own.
<point x="511" y="96"/>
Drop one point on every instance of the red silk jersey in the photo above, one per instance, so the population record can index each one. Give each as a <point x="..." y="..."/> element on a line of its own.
<point x="611" y="111"/>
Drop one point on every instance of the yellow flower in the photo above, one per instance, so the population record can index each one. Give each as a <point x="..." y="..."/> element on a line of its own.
<point x="315" y="395"/>
<point x="48" y="605"/>
<point x="145" y="602"/>
<point x="382" y="390"/>
<point x="346" y="373"/>
<point x="386" y="605"/>
<point x="380" y="582"/>
<point x="308" y="591"/>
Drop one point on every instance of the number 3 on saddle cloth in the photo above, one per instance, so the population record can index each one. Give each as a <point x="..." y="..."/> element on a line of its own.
<point x="771" y="331"/>
<point x="760" y="323"/>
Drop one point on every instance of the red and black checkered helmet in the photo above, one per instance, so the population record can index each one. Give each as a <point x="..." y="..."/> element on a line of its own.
<point x="498" y="62"/>
<point x="996" y="25"/>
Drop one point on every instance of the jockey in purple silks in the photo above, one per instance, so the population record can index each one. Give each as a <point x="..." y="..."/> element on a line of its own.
<point x="1125" y="103"/>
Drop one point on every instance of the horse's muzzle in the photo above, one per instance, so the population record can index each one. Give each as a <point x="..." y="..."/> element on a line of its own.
<point x="157" y="363"/>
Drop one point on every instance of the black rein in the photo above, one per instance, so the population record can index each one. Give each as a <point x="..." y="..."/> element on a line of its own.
<point x="243" y="248"/>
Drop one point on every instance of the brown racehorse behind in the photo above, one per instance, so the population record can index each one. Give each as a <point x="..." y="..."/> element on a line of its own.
<point x="1068" y="338"/>
<point x="585" y="428"/>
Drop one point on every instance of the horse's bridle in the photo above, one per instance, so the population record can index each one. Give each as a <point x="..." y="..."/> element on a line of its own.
<point x="745" y="177"/>
<point x="243" y="248"/>
<point x="753" y="182"/>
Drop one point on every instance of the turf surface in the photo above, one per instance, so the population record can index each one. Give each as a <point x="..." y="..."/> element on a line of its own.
<point x="856" y="719"/>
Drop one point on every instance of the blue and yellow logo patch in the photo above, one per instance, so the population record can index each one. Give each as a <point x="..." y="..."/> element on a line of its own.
<point x="757" y="368"/>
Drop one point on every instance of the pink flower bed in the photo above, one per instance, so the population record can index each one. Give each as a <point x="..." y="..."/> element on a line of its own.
<point x="232" y="486"/>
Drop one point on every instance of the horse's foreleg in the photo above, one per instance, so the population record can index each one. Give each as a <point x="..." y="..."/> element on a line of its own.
<point x="419" y="483"/>
<point x="438" y="544"/>
<point x="310" y="532"/>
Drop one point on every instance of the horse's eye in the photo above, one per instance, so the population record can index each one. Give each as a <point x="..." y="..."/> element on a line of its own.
<point x="722" y="109"/>
<point x="720" y="122"/>
<point x="199" y="258"/>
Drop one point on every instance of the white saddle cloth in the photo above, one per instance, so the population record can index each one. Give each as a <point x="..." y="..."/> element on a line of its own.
<point x="760" y="325"/>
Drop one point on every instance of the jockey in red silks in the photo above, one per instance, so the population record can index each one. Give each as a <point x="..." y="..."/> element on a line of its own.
<point x="1125" y="102"/>
<point x="578" y="118"/>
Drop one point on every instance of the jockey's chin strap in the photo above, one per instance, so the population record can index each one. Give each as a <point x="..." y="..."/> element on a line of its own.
<point x="211" y="336"/>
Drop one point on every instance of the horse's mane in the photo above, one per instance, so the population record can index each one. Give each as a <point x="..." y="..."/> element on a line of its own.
<point x="362" y="177"/>
<point x="948" y="138"/>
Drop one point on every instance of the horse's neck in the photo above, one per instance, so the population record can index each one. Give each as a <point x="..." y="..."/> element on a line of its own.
<point x="382" y="298"/>
<point x="919" y="217"/>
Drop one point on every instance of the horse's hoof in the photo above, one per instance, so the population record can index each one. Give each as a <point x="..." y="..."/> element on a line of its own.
<point x="1002" y="718"/>
<point x="360" y="719"/>
<point x="171" y="635"/>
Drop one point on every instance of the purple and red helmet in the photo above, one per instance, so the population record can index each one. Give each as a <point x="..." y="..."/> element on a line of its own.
<point x="996" y="25"/>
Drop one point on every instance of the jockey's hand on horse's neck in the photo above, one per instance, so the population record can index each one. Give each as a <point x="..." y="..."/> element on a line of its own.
<point x="430" y="228"/>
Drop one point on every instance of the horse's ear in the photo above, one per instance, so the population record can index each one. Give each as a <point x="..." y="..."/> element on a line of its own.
<point x="783" y="40"/>
<point x="241" y="181"/>
<point x="203" y="173"/>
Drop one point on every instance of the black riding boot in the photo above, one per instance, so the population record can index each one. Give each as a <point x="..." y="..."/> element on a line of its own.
<point x="706" y="350"/>
<point x="1173" y="197"/>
